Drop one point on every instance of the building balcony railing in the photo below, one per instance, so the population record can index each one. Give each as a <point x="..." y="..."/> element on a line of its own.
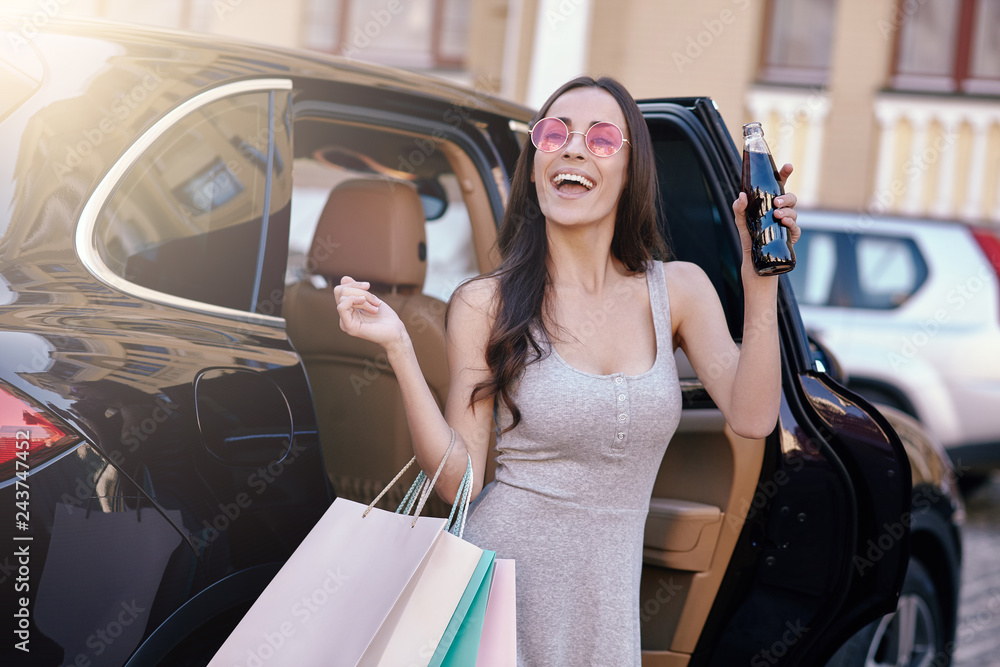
<point x="937" y="156"/>
<point x="793" y="121"/>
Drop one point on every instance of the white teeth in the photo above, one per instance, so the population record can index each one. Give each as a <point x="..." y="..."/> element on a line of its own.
<point x="576" y="178"/>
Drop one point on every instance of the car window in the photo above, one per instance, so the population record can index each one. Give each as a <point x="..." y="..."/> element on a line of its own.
<point x="816" y="262"/>
<point x="330" y="153"/>
<point x="888" y="271"/>
<point x="856" y="270"/>
<point x="188" y="220"/>
<point x="693" y="221"/>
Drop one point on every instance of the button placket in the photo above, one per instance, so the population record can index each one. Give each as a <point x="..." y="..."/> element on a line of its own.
<point x="621" y="406"/>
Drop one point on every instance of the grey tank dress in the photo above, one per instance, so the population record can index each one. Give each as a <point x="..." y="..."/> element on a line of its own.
<point x="570" y="498"/>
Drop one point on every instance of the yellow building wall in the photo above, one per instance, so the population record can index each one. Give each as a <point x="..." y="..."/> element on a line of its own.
<point x="487" y="33"/>
<point x="992" y="188"/>
<point x="859" y="64"/>
<point x="660" y="49"/>
<point x="264" y="21"/>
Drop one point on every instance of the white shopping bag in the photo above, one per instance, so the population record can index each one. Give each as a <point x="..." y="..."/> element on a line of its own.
<point x="415" y="627"/>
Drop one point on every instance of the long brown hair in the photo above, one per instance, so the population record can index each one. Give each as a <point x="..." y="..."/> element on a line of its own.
<point x="523" y="274"/>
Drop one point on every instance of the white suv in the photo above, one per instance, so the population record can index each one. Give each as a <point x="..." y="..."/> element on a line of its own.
<point x="911" y="310"/>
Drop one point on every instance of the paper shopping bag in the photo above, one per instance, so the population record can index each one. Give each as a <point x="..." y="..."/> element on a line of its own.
<point x="498" y="644"/>
<point x="332" y="596"/>
<point x="413" y="630"/>
<point x="465" y="646"/>
<point x="461" y="639"/>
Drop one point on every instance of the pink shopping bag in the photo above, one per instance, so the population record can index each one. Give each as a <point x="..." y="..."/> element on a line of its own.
<point x="498" y="645"/>
<point x="365" y="587"/>
<point x="330" y="599"/>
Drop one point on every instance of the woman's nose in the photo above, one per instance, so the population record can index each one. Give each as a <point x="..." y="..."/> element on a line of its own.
<point x="571" y="148"/>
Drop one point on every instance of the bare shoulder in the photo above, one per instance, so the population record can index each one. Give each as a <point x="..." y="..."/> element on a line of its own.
<point x="478" y="294"/>
<point x="686" y="281"/>
<point x="472" y="307"/>
<point x="691" y="292"/>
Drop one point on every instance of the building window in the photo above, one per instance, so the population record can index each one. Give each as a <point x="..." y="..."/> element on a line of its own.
<point x="798" y="41"/>
<point x="948" y="46"/>
<point x="418" y="34"/>
<point x="985" y="57"/>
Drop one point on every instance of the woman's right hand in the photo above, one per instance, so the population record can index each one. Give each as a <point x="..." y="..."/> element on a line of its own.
<point x="364" y="315"/>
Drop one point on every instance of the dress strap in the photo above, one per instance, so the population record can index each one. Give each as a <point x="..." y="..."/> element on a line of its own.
<point x="659" y="301"/>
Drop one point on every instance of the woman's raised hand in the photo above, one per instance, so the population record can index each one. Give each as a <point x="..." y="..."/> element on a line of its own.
<point x="364" y="315"/>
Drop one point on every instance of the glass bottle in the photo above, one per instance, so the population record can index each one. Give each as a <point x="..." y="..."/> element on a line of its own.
<point x="771" y="252"/>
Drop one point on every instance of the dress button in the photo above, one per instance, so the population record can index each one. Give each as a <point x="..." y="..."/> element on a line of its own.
<point x="621" y="397"/>
<point x="618" y="380"/>
<point x="621" y="436"/>
<point x="622" y="417"/>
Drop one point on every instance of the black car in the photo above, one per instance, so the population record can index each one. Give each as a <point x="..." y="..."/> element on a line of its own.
<point x="179" y="406"/>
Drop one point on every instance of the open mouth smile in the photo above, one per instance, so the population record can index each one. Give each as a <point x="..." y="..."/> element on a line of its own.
<point x="572" y="183"/>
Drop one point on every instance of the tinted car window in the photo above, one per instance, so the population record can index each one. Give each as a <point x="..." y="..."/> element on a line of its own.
<point x="187" y="220"/>
<point x="816" y="259"/>
<point x="888" y="271"/>
<point x="694" y="224"/>
<point x="856" y="271"/>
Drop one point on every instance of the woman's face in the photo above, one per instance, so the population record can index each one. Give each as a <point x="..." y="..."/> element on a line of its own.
<point x="570" y="202"/>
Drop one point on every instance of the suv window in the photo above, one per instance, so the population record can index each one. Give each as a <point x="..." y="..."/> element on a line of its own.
<point x="189" y="221"/>
<point x="329" y="153"/>
<point x="856" y="271"/>
<point x="887" y="271"/>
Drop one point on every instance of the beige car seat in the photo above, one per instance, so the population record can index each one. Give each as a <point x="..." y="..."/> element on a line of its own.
<point x="370" y="229"/>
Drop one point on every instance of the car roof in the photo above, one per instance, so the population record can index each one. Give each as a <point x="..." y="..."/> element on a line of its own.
<point x="236" y="57"/>
<point x="102" y="84"/>
<point x="863" y="222"/>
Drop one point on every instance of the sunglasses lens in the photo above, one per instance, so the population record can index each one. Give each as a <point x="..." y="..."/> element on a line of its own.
<point x="604" y="139"/>
<point x="549" y="134"/>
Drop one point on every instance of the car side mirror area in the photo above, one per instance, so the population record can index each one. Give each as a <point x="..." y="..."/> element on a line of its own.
<point x="434" y="198"/>
<point x="824" y="361"/>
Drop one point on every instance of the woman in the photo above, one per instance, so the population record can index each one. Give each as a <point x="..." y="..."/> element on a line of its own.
<point x="586" y="412"/>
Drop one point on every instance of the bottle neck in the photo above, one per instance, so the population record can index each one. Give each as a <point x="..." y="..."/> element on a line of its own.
<point x="754" y="143"/>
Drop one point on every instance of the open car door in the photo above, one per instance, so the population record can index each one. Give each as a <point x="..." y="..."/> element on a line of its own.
<point x="758" y="551"/>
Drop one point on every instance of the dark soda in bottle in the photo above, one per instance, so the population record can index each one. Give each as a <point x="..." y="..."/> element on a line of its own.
<point x="771" y="252"/>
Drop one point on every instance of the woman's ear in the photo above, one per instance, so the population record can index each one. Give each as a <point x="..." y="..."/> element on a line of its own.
<point x="532" y="174"/>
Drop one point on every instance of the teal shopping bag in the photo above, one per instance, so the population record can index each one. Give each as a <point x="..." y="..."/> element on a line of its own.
<point x="459" y="646"/>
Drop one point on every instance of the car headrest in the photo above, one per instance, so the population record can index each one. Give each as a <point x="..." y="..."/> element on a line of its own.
<point x="371" y="229"/>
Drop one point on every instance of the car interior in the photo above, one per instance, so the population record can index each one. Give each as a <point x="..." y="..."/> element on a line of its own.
<point x="363" y="206"/>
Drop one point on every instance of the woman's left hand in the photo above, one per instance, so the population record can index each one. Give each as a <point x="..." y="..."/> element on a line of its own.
<point x="785" y="213"/>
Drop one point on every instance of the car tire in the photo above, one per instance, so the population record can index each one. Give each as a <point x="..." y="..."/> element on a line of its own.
<point x="970" y="482"/>
<point x="916" y="627"/>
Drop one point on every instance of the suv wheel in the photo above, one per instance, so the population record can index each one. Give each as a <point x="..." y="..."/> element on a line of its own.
<point x="970" y="482"/>
<point x="911" y="635"/>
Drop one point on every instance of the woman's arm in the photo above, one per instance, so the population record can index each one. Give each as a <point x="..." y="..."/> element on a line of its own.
<point x="363" y="315"/>
<point x="745" y="383"/>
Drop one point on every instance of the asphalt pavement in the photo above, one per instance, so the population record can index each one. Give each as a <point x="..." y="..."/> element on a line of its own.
<point x="979" y="609"/>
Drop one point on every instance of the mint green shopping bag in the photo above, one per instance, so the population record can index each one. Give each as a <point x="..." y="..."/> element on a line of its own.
<point x="459" y="646"/>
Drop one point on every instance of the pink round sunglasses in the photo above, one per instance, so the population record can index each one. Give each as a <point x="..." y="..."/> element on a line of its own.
<point x="603" y="139"/>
